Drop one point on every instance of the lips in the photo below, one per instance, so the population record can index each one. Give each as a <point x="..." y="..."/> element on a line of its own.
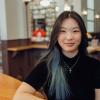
<point x="69" y="44"/>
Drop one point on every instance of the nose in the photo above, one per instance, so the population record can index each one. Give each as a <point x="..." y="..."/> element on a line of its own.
<point x="69" y="35"/>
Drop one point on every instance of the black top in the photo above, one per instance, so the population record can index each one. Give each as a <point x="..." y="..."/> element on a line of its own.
<point x="83" y="80"/>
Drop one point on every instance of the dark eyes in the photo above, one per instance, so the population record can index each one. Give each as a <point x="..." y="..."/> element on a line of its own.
<point x="63" y="31"/>
<point x="76" y="31"/>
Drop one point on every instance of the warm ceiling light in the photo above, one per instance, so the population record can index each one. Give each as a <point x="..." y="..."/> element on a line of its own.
<point x="84" y="12"/>
<point x="97" y="16"/>
<point x="57" y="9"/>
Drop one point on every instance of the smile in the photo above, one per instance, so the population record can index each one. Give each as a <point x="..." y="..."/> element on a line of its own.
<point x="69" y="44"/>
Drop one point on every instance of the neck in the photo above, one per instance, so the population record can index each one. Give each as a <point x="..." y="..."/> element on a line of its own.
<point x="70" y="54"/>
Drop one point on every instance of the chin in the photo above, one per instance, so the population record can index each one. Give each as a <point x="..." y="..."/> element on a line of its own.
<point x="70" y="50"/>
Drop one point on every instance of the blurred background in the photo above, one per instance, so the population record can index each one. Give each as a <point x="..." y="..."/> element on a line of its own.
<point x="25" y="27"/>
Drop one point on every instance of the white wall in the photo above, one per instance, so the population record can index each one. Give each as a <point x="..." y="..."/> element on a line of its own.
<point x="77" y="6"/>
<point x="15" y="19"/>
<point x="60" y="4"/>
<point x="12" y="19"/>
<point x="22" y="26"/>
<point x="3" y="27"/>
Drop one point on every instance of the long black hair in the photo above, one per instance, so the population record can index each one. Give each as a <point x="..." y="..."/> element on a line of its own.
<point x="57" y="82"/>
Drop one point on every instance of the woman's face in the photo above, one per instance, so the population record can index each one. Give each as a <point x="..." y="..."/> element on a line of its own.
<point x="69" y="37"/>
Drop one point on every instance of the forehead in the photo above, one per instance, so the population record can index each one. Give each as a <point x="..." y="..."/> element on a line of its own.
<point x="69" y="23"/>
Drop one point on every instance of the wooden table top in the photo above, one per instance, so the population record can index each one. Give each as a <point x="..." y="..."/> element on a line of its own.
<point x="8" y="86"/>
<point x="26" y="47"/>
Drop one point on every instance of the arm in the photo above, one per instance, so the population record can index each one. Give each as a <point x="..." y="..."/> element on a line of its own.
<point x="97" y="94"/>
<point x="27" y="92"/>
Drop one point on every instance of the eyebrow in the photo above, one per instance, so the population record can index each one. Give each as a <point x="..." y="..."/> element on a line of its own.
<point x="72" y="28"/>
<point x="76" y="27"/>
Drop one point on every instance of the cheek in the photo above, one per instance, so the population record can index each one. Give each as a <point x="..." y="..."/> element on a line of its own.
<point x="59" y="42"/>
<point x="60" y="39"/>
<point x="79" y="39"/>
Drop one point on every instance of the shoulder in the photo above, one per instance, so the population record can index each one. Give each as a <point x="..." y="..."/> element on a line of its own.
<point x="38" y="75"/>
<point x="92" y="62"/>
<point x="41" y="63"/>
<point x="92" y="59"/>
<point x="42" y="66"/>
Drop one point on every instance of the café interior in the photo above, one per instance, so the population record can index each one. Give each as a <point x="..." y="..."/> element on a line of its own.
<point x="20" y="44"/>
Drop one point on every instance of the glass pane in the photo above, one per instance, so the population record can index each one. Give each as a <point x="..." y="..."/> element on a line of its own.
<point x="90" y="26"/>
<point x="90" y="15"/>
<point x="90" y="4"/>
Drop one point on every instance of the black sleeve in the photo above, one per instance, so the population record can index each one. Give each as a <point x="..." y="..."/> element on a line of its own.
<point x="38" y="76"/>
<point x="97" y="75"/>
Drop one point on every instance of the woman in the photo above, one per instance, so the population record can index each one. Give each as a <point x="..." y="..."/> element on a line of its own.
<point x="66" y="72"/>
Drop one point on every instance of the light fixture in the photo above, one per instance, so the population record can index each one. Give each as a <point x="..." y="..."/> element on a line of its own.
<point x="57" y="8"/>
<point x="67" y="7"/>
<point x="97" y="16"/>
<point x="84" y="12"/>
<point x="26" y="6"/>
<point x="26" y="1"/>
<point x="44" y="3"/>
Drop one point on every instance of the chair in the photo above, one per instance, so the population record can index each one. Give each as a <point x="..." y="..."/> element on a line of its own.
<point x="8" y="86"/>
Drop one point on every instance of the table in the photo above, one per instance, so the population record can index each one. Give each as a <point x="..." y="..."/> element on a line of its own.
<point x="17" y="49"/>
<point x="8" y="86"/>
<point x="27" y="47"/>
<point x="92" y="49"/>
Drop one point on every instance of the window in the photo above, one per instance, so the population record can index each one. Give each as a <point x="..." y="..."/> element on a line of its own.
<point x="90" y="15"/>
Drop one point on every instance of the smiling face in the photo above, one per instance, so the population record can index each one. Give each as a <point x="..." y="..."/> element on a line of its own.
<point x="69" y="37"/>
